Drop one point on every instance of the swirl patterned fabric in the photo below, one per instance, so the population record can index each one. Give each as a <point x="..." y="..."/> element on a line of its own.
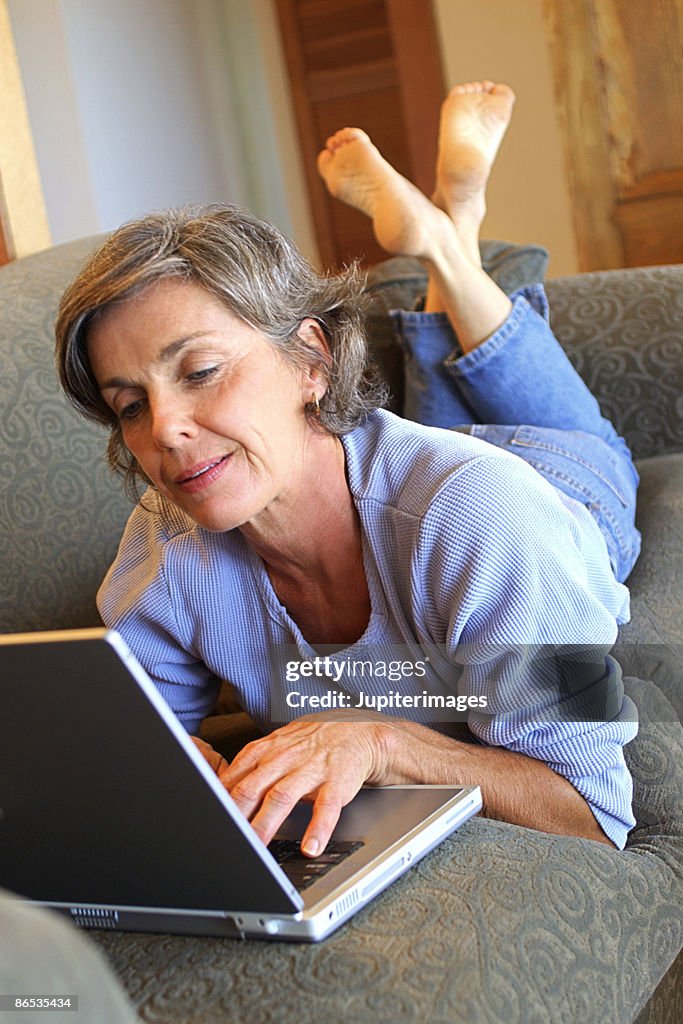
<point x="500" y="923"/>
<point x="624" y="332"/>
<point x="61" y="511"/>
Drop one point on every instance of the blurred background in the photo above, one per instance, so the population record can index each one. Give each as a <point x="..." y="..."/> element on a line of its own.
<point x="110" y="108"/>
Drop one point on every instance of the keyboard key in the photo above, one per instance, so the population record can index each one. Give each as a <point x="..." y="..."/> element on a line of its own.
<point x="303" y="871"/>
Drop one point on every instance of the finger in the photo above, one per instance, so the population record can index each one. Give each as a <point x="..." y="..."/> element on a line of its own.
<point x="278" y="803"/>
<point x="211" y="756"/>
<point x="273" y="777"/>
<point x="245" y="762"/>
<point x="258" y="751"/>
<point x="326" y="810"/>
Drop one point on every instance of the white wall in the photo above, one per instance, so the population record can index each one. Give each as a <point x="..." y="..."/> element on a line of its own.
<point x="120" y="98"/>
<point x="141" y="104"/>
<point x="504" y="40"/>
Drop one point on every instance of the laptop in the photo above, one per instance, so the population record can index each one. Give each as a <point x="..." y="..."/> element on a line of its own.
<point x="109" y="813"/>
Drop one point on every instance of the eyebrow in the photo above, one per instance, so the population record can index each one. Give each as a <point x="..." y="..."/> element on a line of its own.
<point x="165" y="356"/>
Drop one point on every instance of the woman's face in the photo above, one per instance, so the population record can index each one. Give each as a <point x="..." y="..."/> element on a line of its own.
<point x="208" y="407"/>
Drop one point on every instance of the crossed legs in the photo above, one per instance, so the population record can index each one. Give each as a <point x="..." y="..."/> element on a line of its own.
<point x="524" y="377"/>
<point x="444" y="232"/>
<point x="527" y="380"/>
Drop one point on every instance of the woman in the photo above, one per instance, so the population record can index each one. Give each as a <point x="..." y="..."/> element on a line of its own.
<point x="293" y="527"/>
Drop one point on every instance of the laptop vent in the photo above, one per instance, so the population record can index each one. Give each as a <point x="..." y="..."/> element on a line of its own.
<point x="346" y="904"/>
<point x="94" y="917"/>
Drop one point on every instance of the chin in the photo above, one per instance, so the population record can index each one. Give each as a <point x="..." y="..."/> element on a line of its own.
<point x="215" y="523"/>
<point x="219" y="520"/>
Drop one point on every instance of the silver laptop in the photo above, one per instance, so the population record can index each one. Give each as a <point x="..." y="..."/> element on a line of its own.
<point x="109" y="813"/>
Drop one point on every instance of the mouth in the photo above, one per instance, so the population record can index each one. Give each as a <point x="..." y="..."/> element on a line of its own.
<point x="202" y="474"/>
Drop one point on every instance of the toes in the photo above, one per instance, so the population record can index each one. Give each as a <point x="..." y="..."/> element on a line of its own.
<point x="343" y="137"/>
<point x="485" y="86"/>
<point x="503" y="90"/>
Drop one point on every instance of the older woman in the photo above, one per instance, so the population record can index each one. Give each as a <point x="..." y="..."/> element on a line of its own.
<point x="293" y="529"/>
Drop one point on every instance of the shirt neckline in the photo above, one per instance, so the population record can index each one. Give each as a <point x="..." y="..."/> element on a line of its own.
<point x="376" y="622"/>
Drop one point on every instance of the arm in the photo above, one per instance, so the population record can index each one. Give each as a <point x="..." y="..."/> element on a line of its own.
<point x="327" y="761"/>
<point x="514" y="787"/>
<point x="499" y="593"/>
<point x="532" y="635"/>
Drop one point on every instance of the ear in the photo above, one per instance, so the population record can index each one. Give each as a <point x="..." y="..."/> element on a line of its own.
<point x="310" y="331"/>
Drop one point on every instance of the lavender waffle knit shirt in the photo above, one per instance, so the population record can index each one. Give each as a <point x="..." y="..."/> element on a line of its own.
<point x="473" y="561"/>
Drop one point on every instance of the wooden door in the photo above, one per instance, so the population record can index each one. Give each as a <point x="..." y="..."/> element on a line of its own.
<point x="619" y="79"/>
<point x="372" y="64"/>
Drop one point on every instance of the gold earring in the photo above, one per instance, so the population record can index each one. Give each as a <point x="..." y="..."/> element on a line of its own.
<point x="316" y="406"/>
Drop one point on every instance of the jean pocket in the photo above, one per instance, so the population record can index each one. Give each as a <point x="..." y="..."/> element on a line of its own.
<point x="582" y="460"/>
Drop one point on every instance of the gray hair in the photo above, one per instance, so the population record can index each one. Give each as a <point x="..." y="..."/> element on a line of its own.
<point x="257" y="274"/>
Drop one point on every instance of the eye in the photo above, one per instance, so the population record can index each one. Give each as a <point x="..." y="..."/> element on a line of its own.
<point x="201" y="376"/>
<point x="131" y="410"/>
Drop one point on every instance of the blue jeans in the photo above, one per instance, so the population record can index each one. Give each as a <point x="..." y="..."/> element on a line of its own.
<point x="519" y="391"/>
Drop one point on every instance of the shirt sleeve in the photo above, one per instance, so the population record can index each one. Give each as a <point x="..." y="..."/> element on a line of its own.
<point x="508" y="591"/>
<point x="138" y="600"/>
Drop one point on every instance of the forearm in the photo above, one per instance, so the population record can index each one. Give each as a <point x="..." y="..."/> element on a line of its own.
<point x="515" y="788"/>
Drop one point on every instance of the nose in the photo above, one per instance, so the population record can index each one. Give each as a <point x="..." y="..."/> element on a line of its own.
<point x="172" y="422"/>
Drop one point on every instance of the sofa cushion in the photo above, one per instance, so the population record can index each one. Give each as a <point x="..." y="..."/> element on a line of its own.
<point x="500" y="924"/>
<point x="657" y="577"/>
<point x="61" y="510"/>
<point x="623" y="330"/>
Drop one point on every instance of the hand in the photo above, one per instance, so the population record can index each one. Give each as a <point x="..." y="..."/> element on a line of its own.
<point x="214" y="759"/>
<point x="318" y="758"/>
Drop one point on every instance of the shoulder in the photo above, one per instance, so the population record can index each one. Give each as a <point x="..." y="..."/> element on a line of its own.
<point x="413" y="467"/>
<point x="162" y="556"/>
<point x="153" y="526"/>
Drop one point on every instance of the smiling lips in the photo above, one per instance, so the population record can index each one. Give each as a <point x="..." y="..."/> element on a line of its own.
<point x="202" y="475"/>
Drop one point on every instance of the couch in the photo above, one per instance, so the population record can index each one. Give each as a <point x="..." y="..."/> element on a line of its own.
<point x="500" y="923"/>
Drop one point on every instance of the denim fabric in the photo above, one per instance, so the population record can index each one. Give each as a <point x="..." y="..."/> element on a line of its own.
<point x="519" y="391"/>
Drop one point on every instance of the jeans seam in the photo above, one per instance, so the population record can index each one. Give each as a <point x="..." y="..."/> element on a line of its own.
<point x="575" y="458"/>
<point x="595" y="503"/>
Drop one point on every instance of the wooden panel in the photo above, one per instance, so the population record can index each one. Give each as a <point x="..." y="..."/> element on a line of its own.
<point x="587" y="155"/>
<point x="373" y="64"/>
<point x="652" y="230"/>
<point x="321" y="19"/>
<point x="619" y="81"/>
<point x="420" y="75"/>
<point x="356" y="80"/>
<point x="640" y="59"/>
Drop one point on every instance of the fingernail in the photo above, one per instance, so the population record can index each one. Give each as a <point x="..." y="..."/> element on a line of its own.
<point x="312" y="847"/>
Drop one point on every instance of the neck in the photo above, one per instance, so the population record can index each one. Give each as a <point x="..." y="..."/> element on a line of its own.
<point x="303" y="535"/>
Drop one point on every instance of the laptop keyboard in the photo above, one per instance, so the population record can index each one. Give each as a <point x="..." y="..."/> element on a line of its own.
<point x="303" y="871"/>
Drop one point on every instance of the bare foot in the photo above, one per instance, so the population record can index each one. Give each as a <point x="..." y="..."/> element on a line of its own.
<point x="405" y="222"/>
<point x="474" y="118"/>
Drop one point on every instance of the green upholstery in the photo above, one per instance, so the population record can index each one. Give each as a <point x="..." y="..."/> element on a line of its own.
<point x="500" y="924"/>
